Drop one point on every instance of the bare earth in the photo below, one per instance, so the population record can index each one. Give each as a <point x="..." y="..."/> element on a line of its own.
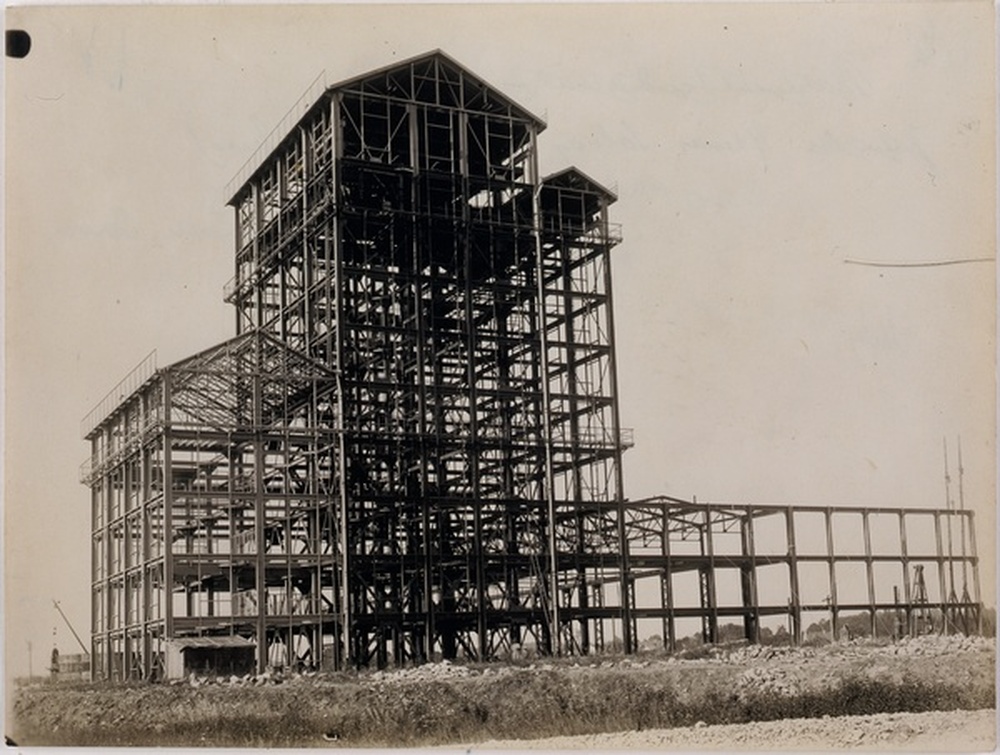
<point x="965" y="731"/>
<point x="484" y="705"/>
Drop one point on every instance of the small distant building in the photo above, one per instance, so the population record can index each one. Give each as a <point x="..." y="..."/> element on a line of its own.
<point x="220" y="656"/>
<point x="70" y="666"/>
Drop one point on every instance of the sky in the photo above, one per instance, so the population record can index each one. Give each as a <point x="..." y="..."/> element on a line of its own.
<point x="758" y="151"/>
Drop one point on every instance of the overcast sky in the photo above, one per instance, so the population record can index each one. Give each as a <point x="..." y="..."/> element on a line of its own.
<point x="755" y="148"/>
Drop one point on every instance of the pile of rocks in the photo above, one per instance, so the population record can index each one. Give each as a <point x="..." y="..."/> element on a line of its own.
<point x="752" y="653"/>
<point x="427" y="672"/>
<point x="936" y="644"/>
<point x="765" y="680"/>
<point x="246" y="680"/>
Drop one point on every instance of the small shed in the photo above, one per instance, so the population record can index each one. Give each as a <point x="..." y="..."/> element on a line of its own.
<point x="70" y="666"/>
<point x="210" y="656"/>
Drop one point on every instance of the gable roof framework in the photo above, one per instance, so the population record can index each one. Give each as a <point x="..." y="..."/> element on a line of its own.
<point x="429" y="78"/>
<point x="213" y="388"/>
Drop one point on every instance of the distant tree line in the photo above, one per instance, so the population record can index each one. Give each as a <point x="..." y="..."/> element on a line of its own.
<point x="852" y="626"/>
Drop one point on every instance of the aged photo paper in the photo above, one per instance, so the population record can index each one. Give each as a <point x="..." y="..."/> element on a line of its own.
<point x="802" y="200"/>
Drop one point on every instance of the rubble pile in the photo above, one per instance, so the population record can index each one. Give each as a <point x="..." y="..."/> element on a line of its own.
<point x="760" y="653"/>
<point x="936" y="644"/>
<point x="760" y="680"/>
<point x="768" y="666"/>
<point x="427" y="672"/>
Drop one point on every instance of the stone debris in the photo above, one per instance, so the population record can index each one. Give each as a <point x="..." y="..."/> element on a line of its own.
<point x="427" y="672"/>
<point x="764" y="680"/>
<point x="750" y="678"/>
<point x="769" y="668"/>
<point x="934" y="644"/>
<point x="926" y="645"/>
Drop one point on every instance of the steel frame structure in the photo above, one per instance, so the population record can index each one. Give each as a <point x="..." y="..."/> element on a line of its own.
<point x="411" y="448"/>
<point x="820" y="561"/>
<point x="400" y="238"/>
<point x="401" y="234"/>
<point x="211" y="511"/>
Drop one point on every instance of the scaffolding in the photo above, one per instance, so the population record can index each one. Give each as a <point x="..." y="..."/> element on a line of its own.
<point x="412" y="447"/>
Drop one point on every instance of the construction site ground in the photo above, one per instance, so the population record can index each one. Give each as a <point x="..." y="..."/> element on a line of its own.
<point x="936" y="731"/>
<point x="926" y="693"/>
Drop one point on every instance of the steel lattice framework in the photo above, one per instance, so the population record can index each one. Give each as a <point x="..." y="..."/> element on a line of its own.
<point x="412" y="446"/>
<point x="452" y="463"/>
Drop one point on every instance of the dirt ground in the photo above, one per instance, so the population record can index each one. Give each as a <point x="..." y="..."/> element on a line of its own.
<point x="937" y="731"/>
<point x="848" y="695"/>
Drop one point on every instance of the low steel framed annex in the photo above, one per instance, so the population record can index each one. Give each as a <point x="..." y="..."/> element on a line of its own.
<point x="211" y="508"/>
<point x="917" y="566"/>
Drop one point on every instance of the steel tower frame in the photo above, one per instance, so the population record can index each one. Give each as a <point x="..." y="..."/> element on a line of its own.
<point x="400" y="233"/>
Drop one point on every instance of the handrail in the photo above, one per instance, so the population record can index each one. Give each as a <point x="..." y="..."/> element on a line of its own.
<point x="125" y="387"/>
<point x="603" y="437"/>
<point x="590" y="233"/>
<point x="95" y="464"/>
<point x="276" y="135"/>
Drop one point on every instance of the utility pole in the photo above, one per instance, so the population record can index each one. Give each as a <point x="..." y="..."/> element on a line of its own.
<point x="84" y="647"/>
<point x="949" y="611"/>
<point x="965" y="565"/>
<point x="961" y="509"/>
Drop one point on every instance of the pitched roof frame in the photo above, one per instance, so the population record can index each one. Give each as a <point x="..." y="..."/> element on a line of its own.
<point x="206" y="384"/>
<point x="573" y="177"/>
<point x="472" y="92"/>
<point x="455" y="85"/>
